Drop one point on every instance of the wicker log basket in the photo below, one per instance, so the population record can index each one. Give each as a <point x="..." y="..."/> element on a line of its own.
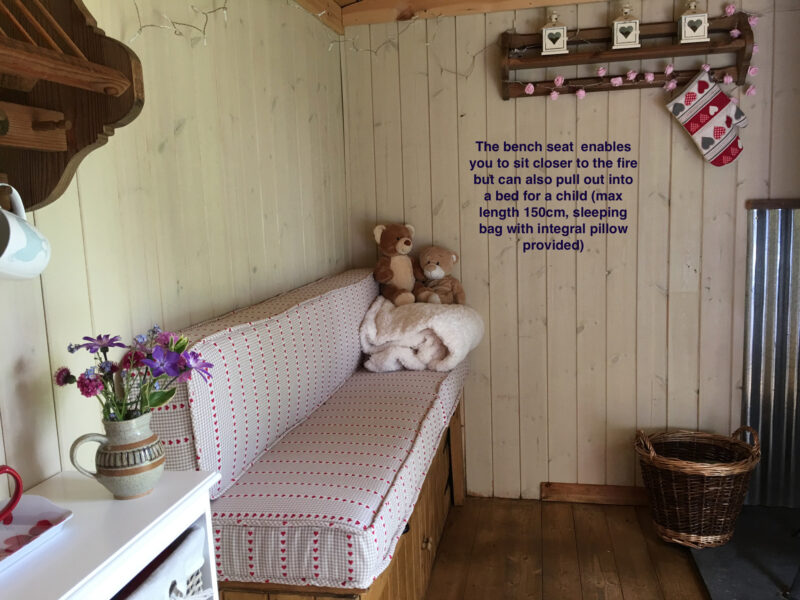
<point x="696" y="483"/>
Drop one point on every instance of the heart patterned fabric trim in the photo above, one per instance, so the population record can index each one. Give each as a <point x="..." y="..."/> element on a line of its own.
<point x="711" y="118"/>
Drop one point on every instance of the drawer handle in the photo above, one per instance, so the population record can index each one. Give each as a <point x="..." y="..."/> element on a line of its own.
<point x="427" y="544"/>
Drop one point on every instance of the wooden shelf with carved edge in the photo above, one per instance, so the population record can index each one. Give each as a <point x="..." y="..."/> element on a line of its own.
<point x="64" y="88"/>
<point x="523" y="51"/>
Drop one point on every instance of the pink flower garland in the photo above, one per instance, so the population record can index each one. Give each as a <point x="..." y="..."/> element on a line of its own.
<point x="616" y="81"/>
<point x="529" y="89"/>
<point x="631" y="75"/>
<point x="558" y="81"/>
<point x="735" y="33"/>
<point x="580" y="94"/>
<point x="730" y="10"/>
<point x="554" y="95"/>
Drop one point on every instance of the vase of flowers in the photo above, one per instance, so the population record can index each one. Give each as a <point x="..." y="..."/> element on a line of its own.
<point x="130" y="458"/>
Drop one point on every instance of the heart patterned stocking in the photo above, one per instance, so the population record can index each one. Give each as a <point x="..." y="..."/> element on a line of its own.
<point x="711" y="118"/>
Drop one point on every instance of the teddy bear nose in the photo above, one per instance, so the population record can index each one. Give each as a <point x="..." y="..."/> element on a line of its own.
<point x="407" y="242"/>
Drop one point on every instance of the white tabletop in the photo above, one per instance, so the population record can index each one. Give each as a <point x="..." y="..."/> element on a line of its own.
<point x="101" y="530"/>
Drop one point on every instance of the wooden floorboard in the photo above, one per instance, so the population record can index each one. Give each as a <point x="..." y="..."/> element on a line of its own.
<point x="636" y="572"/>
<point x="674" y="566"/>
<point x="599" y="577"/>
<point x="525" y="549"/>
<point x="561" y="575"/>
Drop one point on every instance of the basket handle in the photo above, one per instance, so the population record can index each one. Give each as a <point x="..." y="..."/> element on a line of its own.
<point x="753" y="432"/>
<point x="644" y="442"/>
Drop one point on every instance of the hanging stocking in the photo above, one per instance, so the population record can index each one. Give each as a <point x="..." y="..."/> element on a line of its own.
<point x="711" y="118"/>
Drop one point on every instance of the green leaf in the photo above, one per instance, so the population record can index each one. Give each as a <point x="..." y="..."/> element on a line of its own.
<point x="181" y="345"/>
<point x="156" y="399"/>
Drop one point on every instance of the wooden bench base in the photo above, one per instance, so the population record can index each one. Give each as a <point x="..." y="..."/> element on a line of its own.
<point x="407" y="575"/>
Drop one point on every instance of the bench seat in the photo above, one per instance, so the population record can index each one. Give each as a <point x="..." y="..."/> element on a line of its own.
<point x="326" y="505"/>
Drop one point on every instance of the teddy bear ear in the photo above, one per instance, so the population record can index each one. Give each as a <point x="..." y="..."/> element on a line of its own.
<point x="378" y="232"/>
<point x="455" y="258"/>
<point x="411" y="229"/>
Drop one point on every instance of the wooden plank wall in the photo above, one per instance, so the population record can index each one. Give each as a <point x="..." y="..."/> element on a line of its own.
<point x="229" y="188"/>
<point x="638" y="331"/>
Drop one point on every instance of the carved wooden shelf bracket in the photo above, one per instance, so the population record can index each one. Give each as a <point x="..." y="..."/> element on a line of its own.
<point x="64" y="88"/>
<point x="523" y="51"/>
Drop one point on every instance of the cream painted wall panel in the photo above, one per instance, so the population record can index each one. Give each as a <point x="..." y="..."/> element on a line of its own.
<point x="443" y="119"/>
<point x="164" y="224"/>
<point x="386" y="123"/>
<point x="532" y="303"/>
<point x="28" y="419"/>
<point x="69" y="318"/>
<point x="562" y="390"/>
<point x="360" y="144"/>
<point x="655" y="143"/>
<point x="501" y="126"/>
<point x="471" y="85"/>
<point x="784" y="174"/>
<point x="592" y="126"/>
<point x="415" y="147"/>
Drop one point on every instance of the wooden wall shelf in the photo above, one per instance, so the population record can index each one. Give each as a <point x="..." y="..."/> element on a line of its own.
<point x="64" y="88"/>
<point x="523" y="51"/>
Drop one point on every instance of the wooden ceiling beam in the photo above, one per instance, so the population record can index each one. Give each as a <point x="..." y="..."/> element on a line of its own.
<point x="385" y="11"/>
<point x="327" y="11"/>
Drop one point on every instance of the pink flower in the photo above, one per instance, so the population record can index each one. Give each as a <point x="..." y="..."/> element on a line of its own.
<point x="165" y="338"/>
<point x="559" y="81"/>
<point x="631" y="75"/>
<point x="649" y="77"/>
<point x="752" y="20"/>
<point x="554" y="95"/>
<point x="730" y="10"/>
<point x="727" y="79"/>
<point x="601" y="71"/>
<point x="751" y="91"/>
<point x="89" y="384"/>
<point x="755" y="48"/>
<point x="63" y="376"/>
<point x="580" y="94"/>
<point x="670" y="85"/>
<point x="706" y="67"/>
<point x="735" y="33"/>
<point x="529" y="89"/>
<point x="753" y="71"/>
<point x="669" y="69"/>
<point x="735" y="100"/>
<point x="616" y="81"/>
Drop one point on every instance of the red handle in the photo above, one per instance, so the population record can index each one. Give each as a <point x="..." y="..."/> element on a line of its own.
<point x="5" y="469"/>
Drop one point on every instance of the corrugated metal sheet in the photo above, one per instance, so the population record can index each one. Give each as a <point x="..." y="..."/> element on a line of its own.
<point x="772" y="353"/>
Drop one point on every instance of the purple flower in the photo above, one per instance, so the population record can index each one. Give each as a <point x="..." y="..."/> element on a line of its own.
<point x="195" y="362"/>
<point x="160" y="362"/>
<point x="108" y="367"/>
<point x="63" y="376"/>
<point x="101" y="343"/>
<point x="154" y="331"/>
<point x="73" y="348"/>
<point x="89" y="384"/>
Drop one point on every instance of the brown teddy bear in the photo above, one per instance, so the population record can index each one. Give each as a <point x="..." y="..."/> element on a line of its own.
<point x="395" y="271"/>
<point x="440" y="286"/>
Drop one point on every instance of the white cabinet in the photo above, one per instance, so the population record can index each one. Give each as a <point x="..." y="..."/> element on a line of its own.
<point x="107" y="542"/>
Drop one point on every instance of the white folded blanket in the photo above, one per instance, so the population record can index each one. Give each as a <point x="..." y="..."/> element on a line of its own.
<point x="418" y="336"/>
